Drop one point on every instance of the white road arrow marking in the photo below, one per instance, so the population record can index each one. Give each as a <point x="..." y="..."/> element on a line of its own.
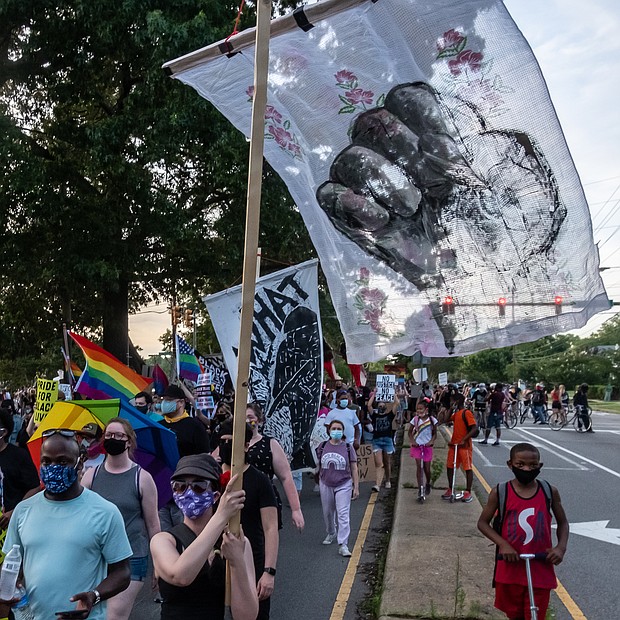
<point x="597" y="530"/>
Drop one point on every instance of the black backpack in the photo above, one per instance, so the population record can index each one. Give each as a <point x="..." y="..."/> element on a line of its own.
<point x="538" y="398"/>
<point x="502" y="494"/>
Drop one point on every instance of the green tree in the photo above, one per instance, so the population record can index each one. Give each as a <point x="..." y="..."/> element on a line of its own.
<point x="118" y="185"/>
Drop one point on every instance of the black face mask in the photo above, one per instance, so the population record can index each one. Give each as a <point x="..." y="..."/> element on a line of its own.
<point x="142" y="408"/>
<point x="226" y="452"/>
<point x="525" y="476"/>
<point x="114" y="447"/>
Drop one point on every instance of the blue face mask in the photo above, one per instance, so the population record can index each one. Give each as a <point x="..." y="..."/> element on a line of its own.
<point x="58" y="478"/>
<point x="344" y="402"/>
<point x="336" y="435"/>
<point x="168" y="406"/>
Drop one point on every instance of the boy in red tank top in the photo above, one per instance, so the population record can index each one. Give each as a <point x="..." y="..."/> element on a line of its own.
<point x="525" y="528"/>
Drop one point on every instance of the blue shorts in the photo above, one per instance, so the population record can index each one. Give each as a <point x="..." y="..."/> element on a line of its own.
<point x="139" y="568"/>
<point x="384" y="444"/>
<point x="494" y="420"/>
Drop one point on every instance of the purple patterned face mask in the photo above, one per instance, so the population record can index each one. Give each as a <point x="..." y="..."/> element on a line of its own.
<point x="192" y="504"/>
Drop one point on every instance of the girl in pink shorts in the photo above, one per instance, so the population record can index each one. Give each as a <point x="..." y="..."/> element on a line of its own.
<point x="422" y="435"/>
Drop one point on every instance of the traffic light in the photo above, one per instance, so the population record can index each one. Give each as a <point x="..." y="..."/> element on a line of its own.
<point x="501" y="305"/>
<point x="188" y="318"/>
<point x="447" y="305"/>
<point x="558" y="304"/>
<point x="175" y="313"/>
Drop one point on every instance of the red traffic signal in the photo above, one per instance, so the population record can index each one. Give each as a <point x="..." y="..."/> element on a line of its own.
<point x="558" y="304"/>
<point x="447" y="305"/>
<point x="501" y="304"/>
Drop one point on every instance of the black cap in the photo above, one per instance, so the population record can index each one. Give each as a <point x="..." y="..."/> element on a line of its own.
<point x="199" y="465"/>
<point x="174" y="391"/>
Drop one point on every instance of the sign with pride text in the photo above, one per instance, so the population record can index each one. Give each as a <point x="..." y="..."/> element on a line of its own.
<point x="47" y="394"/>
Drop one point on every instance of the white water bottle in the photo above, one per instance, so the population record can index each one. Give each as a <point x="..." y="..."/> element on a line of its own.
<point x="21" y="609"/>
<point x="10" y="572"/>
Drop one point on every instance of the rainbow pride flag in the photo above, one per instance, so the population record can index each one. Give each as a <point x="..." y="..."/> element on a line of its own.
<point x="104" y="376"/>
<point x="188" y="366"/>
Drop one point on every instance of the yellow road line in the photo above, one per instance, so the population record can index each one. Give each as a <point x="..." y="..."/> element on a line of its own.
<point x="561" y="591"/>
<point x="342" y="598"/>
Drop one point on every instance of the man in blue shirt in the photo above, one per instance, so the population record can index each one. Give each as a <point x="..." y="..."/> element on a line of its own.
<point x="73" y="542"/>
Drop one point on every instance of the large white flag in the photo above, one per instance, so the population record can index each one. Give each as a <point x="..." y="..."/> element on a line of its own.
<point x="420" y="144"/>
<point x="286" y="363"/>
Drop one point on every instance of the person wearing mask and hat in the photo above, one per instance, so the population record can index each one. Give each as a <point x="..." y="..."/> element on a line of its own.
<point x="92" y="451"/>
<point x="191" y="435"/>
<point x="259" y="518"/>
<point x="191" y="562"/>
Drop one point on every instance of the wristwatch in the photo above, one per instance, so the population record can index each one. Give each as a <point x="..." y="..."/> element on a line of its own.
<point x="97" y="597"/>
<point x="269" y="571"/>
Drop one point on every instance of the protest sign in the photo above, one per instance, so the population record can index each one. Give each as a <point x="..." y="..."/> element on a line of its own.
<point x="386" y="388"/>
<point x="204" y="394"/>
<point x="47" y="394"/>
<point x="443" y="378"/>
<point x="65" y="388"/>
<point x="366" y="463"/>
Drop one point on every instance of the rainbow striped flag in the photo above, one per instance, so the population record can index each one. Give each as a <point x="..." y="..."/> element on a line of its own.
<point x="188" y="366"/>
<point x="104" y="376"/>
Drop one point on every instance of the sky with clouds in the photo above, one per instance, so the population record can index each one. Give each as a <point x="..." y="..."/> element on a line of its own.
<point x="577" y="45"/>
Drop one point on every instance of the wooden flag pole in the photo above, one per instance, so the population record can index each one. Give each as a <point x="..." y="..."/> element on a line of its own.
<point x="248" y="284"/>
<point x="250" y="255"/>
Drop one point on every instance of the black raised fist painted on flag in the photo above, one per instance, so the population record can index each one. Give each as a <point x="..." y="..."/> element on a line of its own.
<point x="428" y="190"/>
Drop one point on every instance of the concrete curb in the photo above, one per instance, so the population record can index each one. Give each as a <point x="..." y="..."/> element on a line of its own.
<point x="438" y="565"/>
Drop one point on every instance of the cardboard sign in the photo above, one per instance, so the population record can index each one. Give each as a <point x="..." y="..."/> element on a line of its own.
<point x="386" y="388"/>
<point x="443" y="378"/>
<point x="420" y="374"/>
<point x="203" y="394"/>
<point x="47" y="394"/>
<point x="366" y="463"/>
<point x="65" y="388"/>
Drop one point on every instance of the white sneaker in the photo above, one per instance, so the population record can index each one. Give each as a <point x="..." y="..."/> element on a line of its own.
<point x="329" y="539"/>
<point x="388" y="485"/>
<point x="375" y="487"/>
<point x="343" y="550"/>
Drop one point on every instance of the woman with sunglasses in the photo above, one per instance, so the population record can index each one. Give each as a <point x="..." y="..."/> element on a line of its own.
<point x="190" y="558"/>
<point x="132" y="490"/>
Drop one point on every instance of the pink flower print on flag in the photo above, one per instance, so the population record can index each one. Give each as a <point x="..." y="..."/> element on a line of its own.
<point x="373" y="318"/>
<point x="371" y="302"/>
<point x="281" y="136"/>
<point x="450" y="43"/>
<point x="466" y="60"/>
<point x="357" y="96"/>
<point x="469" y="74"/>
<point x="345" y="77"/>
<point x="278" y="129"/>
<point x="354" y="98"/>
<point x="272" y="114"/>
<point x="372" y="296"/>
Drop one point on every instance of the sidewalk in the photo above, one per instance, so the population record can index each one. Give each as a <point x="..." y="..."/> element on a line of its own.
<point x="438" y="565"/>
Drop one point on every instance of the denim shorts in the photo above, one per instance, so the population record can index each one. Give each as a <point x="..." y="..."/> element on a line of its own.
<point x="494" y="420"/>
<point x="139" y="568"/>
<point x="384" y="444"/>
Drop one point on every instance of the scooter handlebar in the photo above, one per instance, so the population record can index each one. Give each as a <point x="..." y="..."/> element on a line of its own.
<point x="527" y="556"/>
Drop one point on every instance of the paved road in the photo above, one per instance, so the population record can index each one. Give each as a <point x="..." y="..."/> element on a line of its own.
<point x="585" y="468"/>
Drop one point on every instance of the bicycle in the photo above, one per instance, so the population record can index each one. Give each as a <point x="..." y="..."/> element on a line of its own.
<point x="511" y="415"/>
<point x="527" y="411"/>
<point x="580" y="420"/>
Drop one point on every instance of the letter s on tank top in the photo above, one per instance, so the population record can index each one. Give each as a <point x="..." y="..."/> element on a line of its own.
<point x="527" y="527"/>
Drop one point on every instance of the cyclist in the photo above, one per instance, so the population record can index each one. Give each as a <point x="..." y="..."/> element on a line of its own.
<point x="564" y="401"/>
<point x="580" y="399"/>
